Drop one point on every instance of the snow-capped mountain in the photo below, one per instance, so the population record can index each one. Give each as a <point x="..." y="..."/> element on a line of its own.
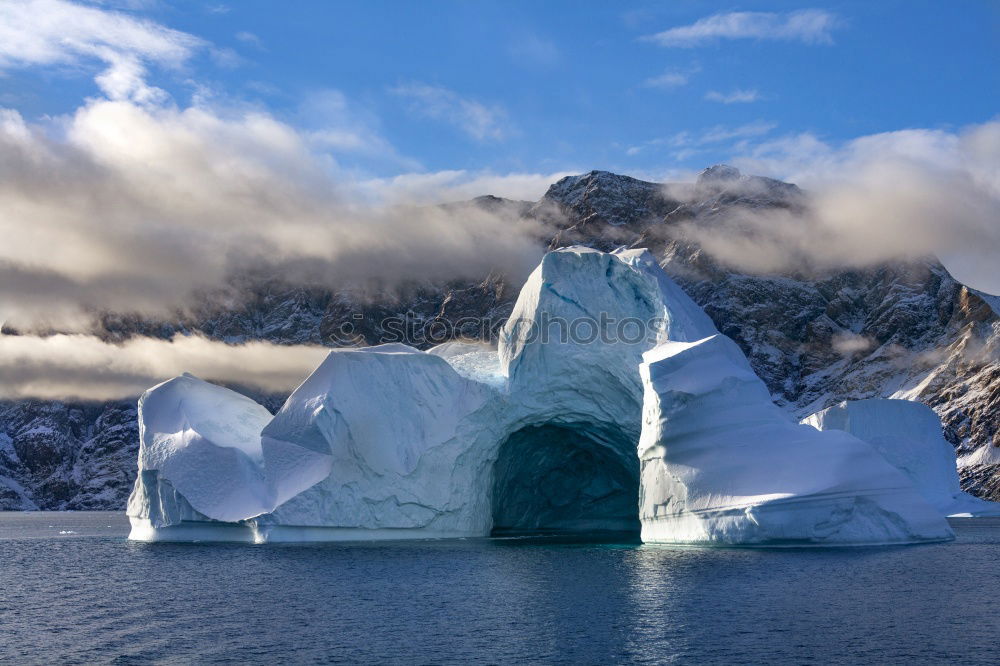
<point x="905" y="329"/>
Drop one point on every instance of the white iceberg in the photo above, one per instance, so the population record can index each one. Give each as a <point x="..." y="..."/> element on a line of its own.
<point x="722" y="464"/>
<point x="410" y="440"/>
<point x="539" y="435"/>
<point x="202" y="459"/>
<point x="908" y="435"/>
<point x="573" y="401"/>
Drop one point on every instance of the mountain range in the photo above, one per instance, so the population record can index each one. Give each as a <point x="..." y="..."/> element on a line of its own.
<point x="904" y="329"/>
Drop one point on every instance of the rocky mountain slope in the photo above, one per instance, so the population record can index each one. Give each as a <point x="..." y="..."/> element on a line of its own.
<point x="905" y="329"/>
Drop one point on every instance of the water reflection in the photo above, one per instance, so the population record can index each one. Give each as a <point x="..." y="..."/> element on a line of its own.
<point x="80" y="598"/>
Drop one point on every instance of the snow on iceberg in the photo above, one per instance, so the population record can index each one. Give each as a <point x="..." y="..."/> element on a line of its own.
<point x="573" y="400"/>
<point x="539" y="435"/>
<point x="410" y="439"/>
<point x="201" y="458"/>
<point x="722" y="464"/>
<point x="908" y="435"/>
<point x="203" y="441"/>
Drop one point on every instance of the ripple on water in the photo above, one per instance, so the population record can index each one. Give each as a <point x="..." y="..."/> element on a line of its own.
<point x="74" y="591"/>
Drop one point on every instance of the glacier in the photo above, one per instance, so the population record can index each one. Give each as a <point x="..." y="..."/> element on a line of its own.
<point x="611" y="403"/>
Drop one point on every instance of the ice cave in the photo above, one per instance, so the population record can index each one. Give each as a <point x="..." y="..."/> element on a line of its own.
<point x="563" y="479"/>
<point x="667" y="434"/>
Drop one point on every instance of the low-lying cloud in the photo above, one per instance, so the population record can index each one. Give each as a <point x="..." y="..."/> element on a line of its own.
<point x="131" y="207"/>
<point x="899" y="195"/>
<point x="83" y="367"/>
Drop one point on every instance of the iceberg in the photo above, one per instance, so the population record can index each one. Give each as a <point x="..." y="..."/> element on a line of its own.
<point x="202" y="458"/>
<point x="722" y="464"/>
<point x="410" y="440"/>
<point x="908" y="434"/>
<point x="571" y="351"/>
<point x="611" y="403"/>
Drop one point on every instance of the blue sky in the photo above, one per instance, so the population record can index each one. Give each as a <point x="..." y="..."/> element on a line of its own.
<point x="547" y="87"/>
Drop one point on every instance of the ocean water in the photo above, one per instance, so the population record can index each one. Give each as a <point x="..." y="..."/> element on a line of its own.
<point x="73" y="590"/>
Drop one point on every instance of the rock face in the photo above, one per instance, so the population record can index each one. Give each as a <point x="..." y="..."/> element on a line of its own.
<point x="901" y="330"/>
<point x="393" y="442"/>
<point x="59" y="456"/>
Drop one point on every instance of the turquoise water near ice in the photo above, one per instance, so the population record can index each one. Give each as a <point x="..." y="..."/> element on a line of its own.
<point x="73" y="590"/>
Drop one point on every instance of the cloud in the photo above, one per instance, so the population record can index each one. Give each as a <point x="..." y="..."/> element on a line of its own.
<point x="459" y="185"/>
<point x="738" y="96"/>
<point x="848" y="344"/>
<point x="250" y="38"/>
<point x="688" y="144"/>
<point x="667" y="80"/>
<point x="136" y="208"/>
<point x="884" y="197"/>
<point x="531" y="50"/>
<point x="480" y="121"/>
<point x="83" y="367"/>
<point x="226" y="58"/>
<point x="672" y="78"/>
<point x="721" y="133"/>
<point x="331" y="122"/>
<point x="809" y="26"/>
<point x="55" y="32"/>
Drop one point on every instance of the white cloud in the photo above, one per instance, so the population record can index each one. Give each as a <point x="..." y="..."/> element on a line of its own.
<point x="56" y="32"/>
<point x="738" y="96"/>
<point x="895" y="195"/>
<point x="722" y="133"/>
<point x="807" y="159"/>
<point x="333" y="123"/>
<point x="133" y="204"/>
<point x="480" y="121"/>
<point x="460" y="185"/>
<point x="687" y="144"/>
<point x="226" y="58"/>
<point x="810" y="26"/>
<point x="672" y="78"/>
<point x="83" y="367"/>
<point x="848" y="344"/>
<point x="717" y="134"/>
<point x="250" y="38"/>
<point x="134" y="208"/>
<point x="531" y="50"/>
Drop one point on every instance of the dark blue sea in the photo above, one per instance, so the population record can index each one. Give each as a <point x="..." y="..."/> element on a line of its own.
<point x="73" y="590"/>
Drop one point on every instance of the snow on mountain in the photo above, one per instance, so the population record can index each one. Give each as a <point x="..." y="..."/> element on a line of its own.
<point x="901" y="330"/>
